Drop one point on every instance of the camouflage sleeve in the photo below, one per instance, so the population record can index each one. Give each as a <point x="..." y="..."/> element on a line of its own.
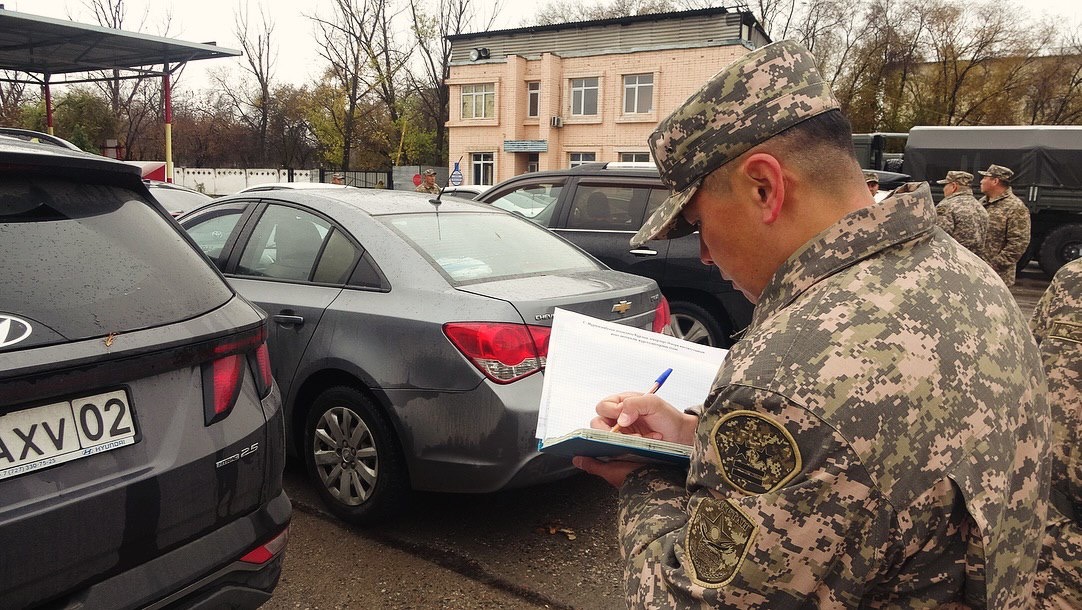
<point x="944" y="219"/>
<point x="1017" y="239"/>
<point x="776" y="510"/>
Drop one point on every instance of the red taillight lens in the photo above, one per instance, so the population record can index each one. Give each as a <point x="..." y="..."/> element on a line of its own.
<point x="661" y="317"/>
<point x="503" y="352"/>
<point x="223" y="375"/>
<point x="265" y="552"/>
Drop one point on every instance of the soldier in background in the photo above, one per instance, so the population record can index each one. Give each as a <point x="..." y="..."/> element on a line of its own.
<point x="428" y="183"/>
<point x="1008" y="222"/>
<point x="960" y="214"/>
<point x="338" y="178"/>
<point x="1057" y="326"/>
<point x="869" y="442"/>
<point x="872" y="180"/>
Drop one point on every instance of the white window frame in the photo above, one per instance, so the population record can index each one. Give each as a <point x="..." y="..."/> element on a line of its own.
<point x="581" y="90"/>
<point x="533" y="99"/>
<point x="633" y="87"/>
<point x="533" y="162"/>
<point x="635" y="157"/>
<point x="578" y="158"/>
<point x="483" y="167"/>
<point x="479" y="101"/>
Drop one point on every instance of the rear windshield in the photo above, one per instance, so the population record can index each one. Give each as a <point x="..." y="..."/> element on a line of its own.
<point x="87" y="260"/>
<point x="480" y="247"/>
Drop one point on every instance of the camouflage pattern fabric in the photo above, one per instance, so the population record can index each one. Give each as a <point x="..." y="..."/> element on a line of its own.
<point x="749" y="101"/>
<point x="1057" y="326"/>
<point x="964" y="219"/>
<point x="871" y="177"/>
<point x="1005" y="174"/>
<point x="859" y="447"/>
<point x="1008" y="233"/>
<point x="430" y="188"/>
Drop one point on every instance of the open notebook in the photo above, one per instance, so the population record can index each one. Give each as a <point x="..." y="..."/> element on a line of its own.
<point x="589" y="359"/>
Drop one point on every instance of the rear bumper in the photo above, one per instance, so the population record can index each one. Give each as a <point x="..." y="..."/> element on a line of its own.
<point x="232" y="584"/>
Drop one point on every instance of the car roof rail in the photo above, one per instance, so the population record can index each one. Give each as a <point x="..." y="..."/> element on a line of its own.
<point x="630" y="165"/>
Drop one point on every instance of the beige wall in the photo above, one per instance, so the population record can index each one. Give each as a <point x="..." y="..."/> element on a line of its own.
<point x="677" y="74"/>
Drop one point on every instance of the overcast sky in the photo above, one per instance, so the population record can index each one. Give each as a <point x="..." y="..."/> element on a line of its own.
<point x="298" y="61"/>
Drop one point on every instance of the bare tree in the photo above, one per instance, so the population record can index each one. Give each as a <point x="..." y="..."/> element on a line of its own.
<point x="433" y="49"/>
<point x="251" y="100"/>
<point x="13" y="95"/>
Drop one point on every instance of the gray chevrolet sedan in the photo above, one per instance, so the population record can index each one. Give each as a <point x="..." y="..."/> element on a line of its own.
<point x="409" y="334"/>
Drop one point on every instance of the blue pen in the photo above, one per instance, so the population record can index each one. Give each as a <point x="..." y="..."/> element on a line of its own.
<point x="654" y="388"/>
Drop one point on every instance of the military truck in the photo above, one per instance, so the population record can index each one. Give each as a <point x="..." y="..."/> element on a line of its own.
<point x="1047" y="164"/>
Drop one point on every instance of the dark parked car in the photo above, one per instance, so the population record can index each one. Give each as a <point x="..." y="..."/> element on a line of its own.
<point x="598" y="207"/>
<point x="408" y="338"/>
<point x="141" y="433"/>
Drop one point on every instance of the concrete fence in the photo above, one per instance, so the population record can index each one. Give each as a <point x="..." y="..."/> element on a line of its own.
<point x="215" y="181"/>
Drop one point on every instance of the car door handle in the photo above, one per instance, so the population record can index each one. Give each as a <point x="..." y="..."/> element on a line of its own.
<point x="644" y="252"/>
<point x="288" y="320"/>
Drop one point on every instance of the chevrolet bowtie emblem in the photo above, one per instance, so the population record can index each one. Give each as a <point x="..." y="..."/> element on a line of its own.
<point x="621" y="307"/>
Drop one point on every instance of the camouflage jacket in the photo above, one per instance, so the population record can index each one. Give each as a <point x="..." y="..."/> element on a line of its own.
<point x="1008" y="234"/>
<point x="1057" y="326"/>
<point x="433" y="189"/>
<point x="859" y="448"/>
<point x="964" y="219"/>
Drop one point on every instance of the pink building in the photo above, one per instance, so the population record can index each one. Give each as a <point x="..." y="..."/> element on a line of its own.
<point x="548" y="97"/>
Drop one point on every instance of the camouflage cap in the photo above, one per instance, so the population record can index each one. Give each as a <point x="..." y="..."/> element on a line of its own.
<point x="871" y="177"/>
<point x="958" y="177"/>
<point x="430" y="172"/>
<point x="998" y="171"/>
<point x="751" y="100"/>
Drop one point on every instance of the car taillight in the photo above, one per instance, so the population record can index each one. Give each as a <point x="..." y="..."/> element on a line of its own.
<point x="661" y="317"/>
<point x="504" y="352"/>
<point x="223" y="374"/>
<point x="265" y="552"/>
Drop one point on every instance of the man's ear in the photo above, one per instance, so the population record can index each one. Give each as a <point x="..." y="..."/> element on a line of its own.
<point x="765" y="172"/>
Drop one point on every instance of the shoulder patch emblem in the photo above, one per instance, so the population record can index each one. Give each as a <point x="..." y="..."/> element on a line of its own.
<point x="1067" y="331"/>
<point x="717" y="541"/>
<point x="757" y="454"/>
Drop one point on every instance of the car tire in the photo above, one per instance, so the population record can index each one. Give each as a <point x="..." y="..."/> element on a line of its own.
<point x="352" y="456"/>
<point x="1060" y="246"/>
<point x="691" y="322"/>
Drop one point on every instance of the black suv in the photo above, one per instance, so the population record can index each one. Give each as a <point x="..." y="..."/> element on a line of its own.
<point x="598" y="207"/>
<point x="141" y="433"/>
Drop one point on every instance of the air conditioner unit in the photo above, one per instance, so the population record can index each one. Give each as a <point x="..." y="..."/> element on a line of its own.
<point x="557" y="121"/>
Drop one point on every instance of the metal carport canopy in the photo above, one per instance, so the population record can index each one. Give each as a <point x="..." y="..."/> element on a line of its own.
<point x="49" y="47"/>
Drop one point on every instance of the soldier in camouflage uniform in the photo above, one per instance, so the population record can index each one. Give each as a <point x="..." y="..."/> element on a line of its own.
<point x="871" y="180"/>
<point x="859" y="447"/>
<point x="428" y="183"/>
<point x="960" y="214"/>
<point x="1008" y="222"/>
<point x="1057" y="326"/>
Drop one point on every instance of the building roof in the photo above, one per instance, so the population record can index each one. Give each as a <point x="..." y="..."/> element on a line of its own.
<point x="47" y="46"/>
<point x="556" y="27"/>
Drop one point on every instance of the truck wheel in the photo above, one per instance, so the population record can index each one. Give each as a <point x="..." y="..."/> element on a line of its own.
<point x="352" y="456"/>
<point x="693" y="323"/>
<point x="1062" y="245"/>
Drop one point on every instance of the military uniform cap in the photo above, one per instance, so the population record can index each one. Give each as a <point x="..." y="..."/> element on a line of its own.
<point x="430" y="172"/>
<point x="958" y="177"/>
<point x="748" y="102"/>
<point x="871" y="177"/>
<point x="998" y="171"/>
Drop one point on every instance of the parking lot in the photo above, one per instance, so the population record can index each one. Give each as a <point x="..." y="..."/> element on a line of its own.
<point x="551" y="546"/>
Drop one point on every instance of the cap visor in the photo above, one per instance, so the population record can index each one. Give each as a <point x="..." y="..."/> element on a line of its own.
<point x="667" y="222"/>
<point x="942" y="181"/>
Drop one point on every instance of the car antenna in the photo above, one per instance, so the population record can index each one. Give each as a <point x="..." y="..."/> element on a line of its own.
<point x="436" y="202"/>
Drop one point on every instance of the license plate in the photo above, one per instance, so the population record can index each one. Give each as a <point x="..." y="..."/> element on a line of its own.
<point x="52" y="434"/>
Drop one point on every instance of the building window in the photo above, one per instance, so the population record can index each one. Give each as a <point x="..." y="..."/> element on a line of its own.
<point x="484" y="168"/>
<point x="638" y="93"/>
<point x="479" y="101"/>
<point x="582" y="157"/>
<point x="638" y="157"/>
<point x="533" y="99"/>
<point x="584" y="96"/>
<point x="533" y="162"/>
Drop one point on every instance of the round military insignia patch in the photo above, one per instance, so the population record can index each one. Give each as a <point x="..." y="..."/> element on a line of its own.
<point x="717" y="540"/>
<point x="757" y="454"/>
